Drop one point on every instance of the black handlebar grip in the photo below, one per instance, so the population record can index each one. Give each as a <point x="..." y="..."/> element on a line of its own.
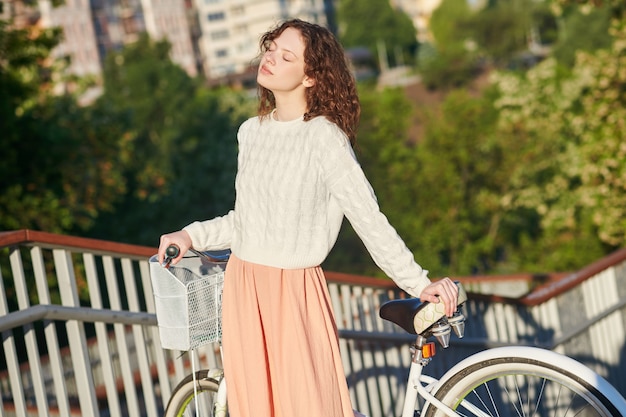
<point x="172" y="251"/>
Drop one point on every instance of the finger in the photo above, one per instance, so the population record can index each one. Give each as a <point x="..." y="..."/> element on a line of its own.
<point x="447" y="293"/>
<point x="165" y="241"/>
<point x="454" y="296"/>
<point x="431" y="298"/>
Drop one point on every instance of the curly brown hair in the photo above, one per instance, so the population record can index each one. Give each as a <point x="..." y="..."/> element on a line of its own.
<point x="334" y="94"/>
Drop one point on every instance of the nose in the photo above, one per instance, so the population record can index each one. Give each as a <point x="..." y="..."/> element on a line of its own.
<point x="269" y="56"/>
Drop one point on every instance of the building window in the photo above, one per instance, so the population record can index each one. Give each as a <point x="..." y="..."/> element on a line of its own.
<point x="221" y="53"/>
<point x="216" y="16"/>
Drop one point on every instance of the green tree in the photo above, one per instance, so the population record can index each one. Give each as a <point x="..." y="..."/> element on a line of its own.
<point x="199" y="181"/>
<point x="582" y="31"/>
<point x="467" y="40"/>
<point x="149" y="97"/>
<point x="372" y="22"/>
<point x="177" y="144"/>
<point x="450" y="61"/>
<point x="53" y="174"/>
<point x="461" y="172"/>
<point x="570" y="127"/>
<point x="503" y="31"/>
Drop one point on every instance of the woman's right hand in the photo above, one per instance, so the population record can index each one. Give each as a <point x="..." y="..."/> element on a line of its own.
<point x="180" y="239"/>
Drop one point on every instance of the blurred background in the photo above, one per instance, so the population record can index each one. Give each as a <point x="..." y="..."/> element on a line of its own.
<point x="492" y="131"/>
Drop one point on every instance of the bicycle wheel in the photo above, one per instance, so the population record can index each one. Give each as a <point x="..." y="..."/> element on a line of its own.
<point x="538" y="383"/>
<point x="182" y="403"/>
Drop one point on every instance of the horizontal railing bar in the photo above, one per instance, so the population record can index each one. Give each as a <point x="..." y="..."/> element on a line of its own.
<point x="81" y="244"/>
<point x="84" y="314"/>
<point x="92" y="315"/>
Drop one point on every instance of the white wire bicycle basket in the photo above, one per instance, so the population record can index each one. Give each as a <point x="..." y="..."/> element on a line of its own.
<point x="188" y="300"/>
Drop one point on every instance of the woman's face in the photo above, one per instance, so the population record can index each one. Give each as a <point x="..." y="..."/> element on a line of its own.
<point x="281" y="68"/>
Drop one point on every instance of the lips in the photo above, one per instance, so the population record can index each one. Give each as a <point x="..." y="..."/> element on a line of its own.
<point x="265" y="70"/>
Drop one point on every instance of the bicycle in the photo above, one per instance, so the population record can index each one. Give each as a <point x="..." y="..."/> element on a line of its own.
<point x="505" y="381"/>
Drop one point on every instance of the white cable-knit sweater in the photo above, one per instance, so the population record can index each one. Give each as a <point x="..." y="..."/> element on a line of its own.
<point x="295" y="182"/>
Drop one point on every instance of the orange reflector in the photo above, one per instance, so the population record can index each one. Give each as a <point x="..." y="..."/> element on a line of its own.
<point x="428" y="350"/>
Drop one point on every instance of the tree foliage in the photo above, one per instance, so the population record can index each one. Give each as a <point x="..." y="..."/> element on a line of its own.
<point x="56" y="172"/>
<point x="501" y="34"/>
<point x="148" y="97"/>
<point x="570" y="125"/>
<point x="582" y="31"/>
<point x="178" y="144"/>
<point x="372" y="22"/>
<point x="579" y="174"/>
<point x="449" y="62"/>
<point x="154" y="152"/>
<point x="505" y="30"/>
<point x="461" y="171"/>
<point x="559" y="200"/>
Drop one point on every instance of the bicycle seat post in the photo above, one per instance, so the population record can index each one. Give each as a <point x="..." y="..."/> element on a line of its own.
<point x="422" y="351"/>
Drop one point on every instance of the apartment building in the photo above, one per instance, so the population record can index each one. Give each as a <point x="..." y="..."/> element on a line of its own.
<point x="79" y="46"/>
<point x="169" y="19"/>
<point x="116" y="23"/>
<point x="92" y="28"/>
<point x="230" y="29"/>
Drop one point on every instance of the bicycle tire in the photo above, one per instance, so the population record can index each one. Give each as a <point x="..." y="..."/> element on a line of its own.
<point x="526" y="385"/>
<point x="182" y="402"/>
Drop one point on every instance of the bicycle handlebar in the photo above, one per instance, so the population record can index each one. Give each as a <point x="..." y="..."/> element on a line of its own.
<point x="171" y="252"/>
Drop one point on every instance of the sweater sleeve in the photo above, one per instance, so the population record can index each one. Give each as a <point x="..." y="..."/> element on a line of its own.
<point x="352" y="191"/>
<point x="212" y="234"/>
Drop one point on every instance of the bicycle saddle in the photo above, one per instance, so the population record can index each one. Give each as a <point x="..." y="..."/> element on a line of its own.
<point x="401" y="312"/>
<point x="416" y="316"/>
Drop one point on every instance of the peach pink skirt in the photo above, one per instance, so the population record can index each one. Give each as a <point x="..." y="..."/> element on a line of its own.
<point x="281" y="350"/>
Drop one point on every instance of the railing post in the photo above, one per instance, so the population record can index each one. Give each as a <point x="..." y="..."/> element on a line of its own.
<point x="23" y="302"/>
<point x="108" y="373"/>
<point x="10" y="352"/>
<point x="141" y="350"/>
<point x="76" y="334"/>
<point x="123" y="349"/>
<point x="52" y="341"/>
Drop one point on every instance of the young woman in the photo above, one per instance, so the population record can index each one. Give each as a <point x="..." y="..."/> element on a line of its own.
<point x="297" y="178"/>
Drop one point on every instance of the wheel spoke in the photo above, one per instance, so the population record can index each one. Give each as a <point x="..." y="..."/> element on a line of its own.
<point x="493" y="404"/>
<point x="539" y="397"/>
<point x="512" y="400"/>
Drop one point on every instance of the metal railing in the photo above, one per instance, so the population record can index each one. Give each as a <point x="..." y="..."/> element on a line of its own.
<point x="80" y="337"/>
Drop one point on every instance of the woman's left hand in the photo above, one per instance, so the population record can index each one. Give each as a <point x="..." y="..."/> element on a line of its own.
<point x="444" y="291"/>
